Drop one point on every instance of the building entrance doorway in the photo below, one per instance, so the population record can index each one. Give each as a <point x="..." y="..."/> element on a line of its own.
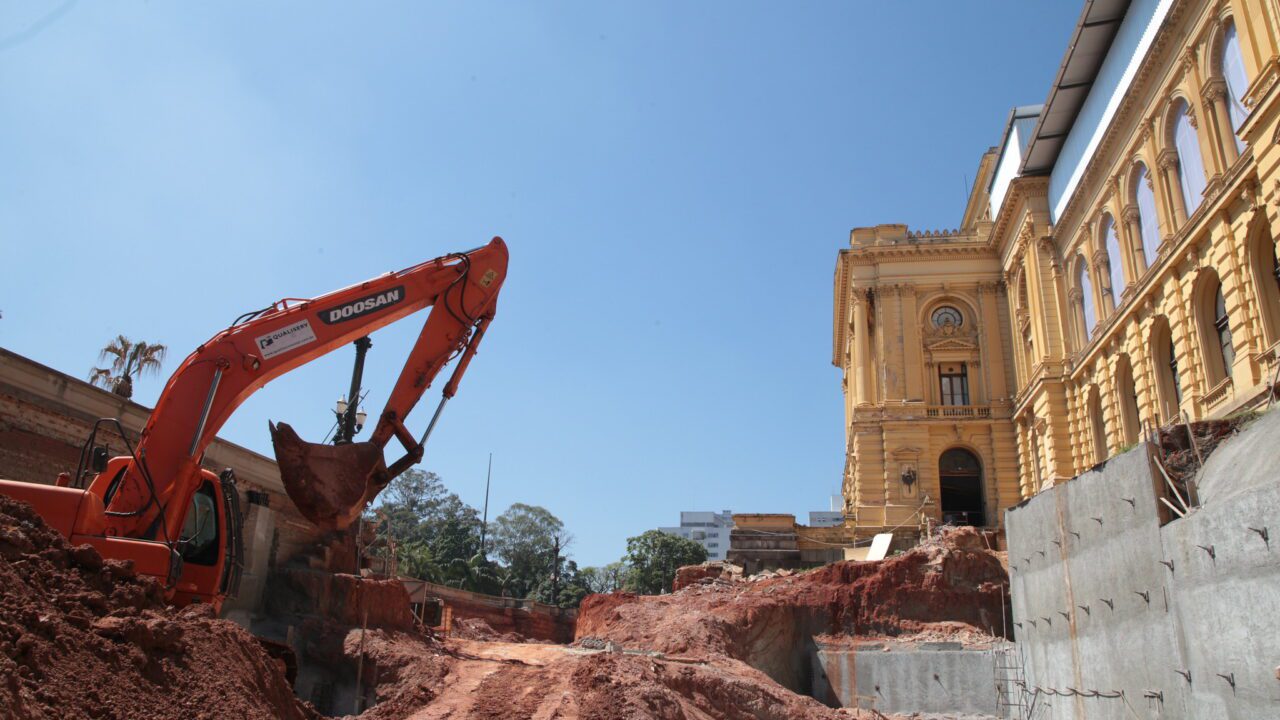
<point x="960" y="474"/>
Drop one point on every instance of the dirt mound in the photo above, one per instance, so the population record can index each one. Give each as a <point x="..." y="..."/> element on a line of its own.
<point x="497" y="681"/>
<point x="81" y="637"/>
<point x="770" y="624"/>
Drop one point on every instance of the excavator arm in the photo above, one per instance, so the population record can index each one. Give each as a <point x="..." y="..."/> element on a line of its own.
<point x="147" y="495"/>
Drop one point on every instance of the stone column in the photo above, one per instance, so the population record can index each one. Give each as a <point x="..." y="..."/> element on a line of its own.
<point x="1215" y="98"/>
<point x="1133" y="237"/>
<point x="1173" y="188"/>
<point x="912" y="350"/>
<point x="1165" y="220"/>
<point x="992" y="347"/>
<point x="861" y="349"/>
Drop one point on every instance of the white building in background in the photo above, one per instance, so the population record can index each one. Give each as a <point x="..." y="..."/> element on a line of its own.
<point x="826" y="518"/>
<point x="833" y="517"/>
<point x="708" y="529"/>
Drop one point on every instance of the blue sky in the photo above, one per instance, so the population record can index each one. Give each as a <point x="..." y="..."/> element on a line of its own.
<point x="674" y="180"/>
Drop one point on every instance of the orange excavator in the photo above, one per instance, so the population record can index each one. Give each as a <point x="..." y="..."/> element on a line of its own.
<point x="179" y="522"/>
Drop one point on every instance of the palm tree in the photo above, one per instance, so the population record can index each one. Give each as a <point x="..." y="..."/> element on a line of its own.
<point x="128" y="360"/>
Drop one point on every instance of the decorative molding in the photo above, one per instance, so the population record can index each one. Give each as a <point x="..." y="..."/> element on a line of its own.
<point x="951" y="343"/>
<point x="1213" y="90"/>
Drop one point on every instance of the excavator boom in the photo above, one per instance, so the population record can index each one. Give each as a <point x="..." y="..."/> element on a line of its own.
<point x="179" y="522"/>
<point x="330" y="484"/>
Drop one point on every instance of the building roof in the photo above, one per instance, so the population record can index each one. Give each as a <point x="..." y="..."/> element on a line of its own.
<point x="1094" y="32"/>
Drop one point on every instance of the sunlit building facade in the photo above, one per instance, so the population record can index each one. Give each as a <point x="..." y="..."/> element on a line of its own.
<point x="1115" y="270"/>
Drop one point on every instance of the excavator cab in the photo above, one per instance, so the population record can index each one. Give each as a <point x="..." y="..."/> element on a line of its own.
<point x="210" y="542"/>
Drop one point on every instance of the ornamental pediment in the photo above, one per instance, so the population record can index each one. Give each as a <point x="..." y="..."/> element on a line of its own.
<point x="951" y="343"/>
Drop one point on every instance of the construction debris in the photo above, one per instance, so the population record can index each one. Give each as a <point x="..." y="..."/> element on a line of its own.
<point x="1184" y="452"/>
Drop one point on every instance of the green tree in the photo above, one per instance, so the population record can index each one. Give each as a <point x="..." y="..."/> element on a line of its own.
<point x="654" y="557"/>
<point x="569" y="590"/>
<point x="415" y="560"/>
<point x="525" y="538"/>
<point x="476" y="574"/>
<point x="128" y="360"/>
<point x="607" y="579"/>
<point x="431" y="527"/>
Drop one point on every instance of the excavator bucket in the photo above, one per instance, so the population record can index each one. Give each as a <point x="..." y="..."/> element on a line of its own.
<point x="330" y="484"/>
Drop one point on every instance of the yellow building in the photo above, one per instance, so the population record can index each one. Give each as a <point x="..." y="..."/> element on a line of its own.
<point x="1115" y="269"/>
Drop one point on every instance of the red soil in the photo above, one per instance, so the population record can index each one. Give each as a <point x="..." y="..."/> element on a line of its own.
<point x="952" y="582"/>
<point x="497" y="681"/>
<point x="81" y="637"/>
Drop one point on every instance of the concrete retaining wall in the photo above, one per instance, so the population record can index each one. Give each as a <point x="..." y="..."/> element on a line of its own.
<point x="1113" y="612"/>
<point x="926" y="678"/>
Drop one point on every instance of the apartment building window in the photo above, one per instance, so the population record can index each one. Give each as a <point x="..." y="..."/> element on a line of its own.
<point x="1173" y="374"/>
<point x="953" y="380"/>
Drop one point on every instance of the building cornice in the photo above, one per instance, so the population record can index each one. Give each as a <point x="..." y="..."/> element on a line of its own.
<point x="839" y="331"/>
<point x="1102" y="159"/>
<point x="1020" y="190"/>
<point x="919" y="253"/>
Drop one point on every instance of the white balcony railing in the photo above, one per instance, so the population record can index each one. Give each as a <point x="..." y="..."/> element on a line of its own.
<point x="958" y="412"/>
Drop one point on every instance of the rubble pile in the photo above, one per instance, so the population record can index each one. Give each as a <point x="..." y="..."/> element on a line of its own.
<point x="81" y="637"/>
<point x="1182" y="458"/>
<point x="706" y="573"/>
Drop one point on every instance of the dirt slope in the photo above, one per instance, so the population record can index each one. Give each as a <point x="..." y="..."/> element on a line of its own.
<point x="479" y="680"/>
<point x="84" y="638"/>
<point x="949" y="585"/>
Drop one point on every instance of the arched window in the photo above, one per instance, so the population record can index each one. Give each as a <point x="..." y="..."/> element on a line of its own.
<point x="1232" y="63"/>
<point x="1165" y="359"/>
<point x="1266" y="280"/>
<point x="1127" y="390"/>
<point x="1190" y="161"/>
<point x="1222" y="331"/>
<point x="1215" y="328"/>
<point x="1088" y="318"/>
<point x="1148" y="223"/>
<point x="1097" y="426"/>
<point x="1028" y="344"/>
<point x="1114" y="258"/>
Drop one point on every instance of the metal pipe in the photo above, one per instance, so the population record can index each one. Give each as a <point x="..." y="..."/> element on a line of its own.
<point x="422" y="444"/>
<point x="204" y="412"/>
